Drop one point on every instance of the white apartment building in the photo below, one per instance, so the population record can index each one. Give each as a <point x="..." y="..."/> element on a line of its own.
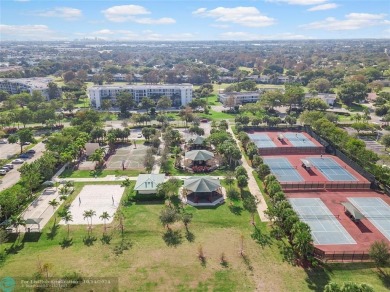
<point x="180" y="94"/>
<point x="19" y="85"/>
<point x="238" y="98"/>
<point x="329" y="98"/>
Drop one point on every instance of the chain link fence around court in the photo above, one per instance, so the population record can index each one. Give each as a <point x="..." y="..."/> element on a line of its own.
<point x="341" y="256"/>
<point x="307" y="185"/>
<point x="292" y="150"/>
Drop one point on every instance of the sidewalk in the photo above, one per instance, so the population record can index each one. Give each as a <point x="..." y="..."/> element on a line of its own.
<point x="253" y="187"/>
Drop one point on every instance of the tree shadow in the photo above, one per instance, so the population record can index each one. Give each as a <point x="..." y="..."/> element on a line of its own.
<point x="172" y="238"/>
<point x="190" y="236"/>
<point x="106" y="239"/>
<point x="66" y="242"/>
<point x="261" y="238"/>
<point x="317" y="278"/>
<point x="236" y="210"/>
<point x="247" y="262"/>
<point x="32" y="236"/>
<point x="15" y="248"/>
<point x="53" y="231"/>
<point x="385" y="278"/>
<point x="287" y="253"/>
<point x="89" y="240"/>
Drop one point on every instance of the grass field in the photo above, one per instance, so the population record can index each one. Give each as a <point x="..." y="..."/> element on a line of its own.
<point x="214" y="115"/>
<point x="68" y="173"/>
<point x="150" y="265"/>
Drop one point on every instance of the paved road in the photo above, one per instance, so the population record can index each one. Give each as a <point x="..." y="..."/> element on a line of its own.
<point x="13" y="176"/>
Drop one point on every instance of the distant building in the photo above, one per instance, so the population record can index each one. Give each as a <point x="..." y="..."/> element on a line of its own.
<point x="180" y="94"/>
<point x="238" y="98"/>
<point x="329" y="98"/>
<point x="19" y="85"/>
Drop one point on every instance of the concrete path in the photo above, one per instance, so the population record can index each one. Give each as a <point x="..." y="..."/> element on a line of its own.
<point x="253" y="187"/>
<point x="111" y="178"/>
<point x="40" y="208"/>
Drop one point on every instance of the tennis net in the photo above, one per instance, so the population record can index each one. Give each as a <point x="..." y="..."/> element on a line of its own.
<point x="318" y="217"/>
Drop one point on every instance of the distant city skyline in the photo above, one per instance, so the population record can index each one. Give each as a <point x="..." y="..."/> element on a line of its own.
<point x="165" y="20"/>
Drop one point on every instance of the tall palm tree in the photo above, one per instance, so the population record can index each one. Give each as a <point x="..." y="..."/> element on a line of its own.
<point x="87" y="215"/>
<point x="105" y="216"/>
<point x="54" y="203"/>
<point x="67" y="217"/>
<point x="16" y="222"/>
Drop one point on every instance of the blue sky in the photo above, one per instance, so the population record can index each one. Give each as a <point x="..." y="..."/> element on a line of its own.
<point x="193" y="19"/>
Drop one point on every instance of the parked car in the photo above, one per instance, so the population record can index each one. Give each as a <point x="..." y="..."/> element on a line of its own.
<point x="204" y="120"/>
<point x="18" y="161"/>
<point x="5" y="168"/>
<point x="3" y="141"/>
<point x="2" y="172"/>
<point x="139" y="136"/>
<point x="26" y="143"/>
<point x="31" y="151"/>
<point x="9" y="165"/>
<point x="24" y="155"/>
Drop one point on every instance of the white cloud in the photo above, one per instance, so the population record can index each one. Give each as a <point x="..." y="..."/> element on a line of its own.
<point x="220" y="25"/>
<point x="123" y="13"/>
<point x="352" y="21"/>
<point x="245" y="16"/>
<point x="240" y="35"/>
<point x="299" y="2"/>
<point x="61" y="12"/>
<point x="326" y="6"/>
<point x="28" y="32"/>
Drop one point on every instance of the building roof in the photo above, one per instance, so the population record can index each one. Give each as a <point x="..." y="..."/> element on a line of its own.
<point x="199" y="155"/>
<point x="197" y="140"/>
<point x="202" y="184"/>
<point x="149" y="182"/>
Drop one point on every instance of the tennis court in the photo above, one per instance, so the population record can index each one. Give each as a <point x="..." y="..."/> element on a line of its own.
<point x="262" y="140"/>
<point x="325" y="227"/>
<point x="299" y="140"/>
<point x="331" y="169"/>
<point x="283" y="170"/>
<point x="128" y="157"/>
<point x="376" y="210"/>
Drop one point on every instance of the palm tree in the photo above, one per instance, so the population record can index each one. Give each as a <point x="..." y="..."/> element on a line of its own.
<point x="229" y="178"/>
<point x="67" y="217"/>
<point x="88" y="214"/>
<point x="54" y="203"/>
<point x="169" y="188"/>
<point x="105" y="216"/>
<point x="17" y="221"/>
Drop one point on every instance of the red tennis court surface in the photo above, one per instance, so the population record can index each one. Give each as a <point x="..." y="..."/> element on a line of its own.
<point x="364" y="232"/>
<point x="285" y="146"/>
<point x="314" y="179"/>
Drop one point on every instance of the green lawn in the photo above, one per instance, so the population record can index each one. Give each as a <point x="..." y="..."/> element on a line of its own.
<point x="68" y="173"/>
<point x="215" y="116"/>
<point x="355" y="107"/>
<point x="150" y="265"/>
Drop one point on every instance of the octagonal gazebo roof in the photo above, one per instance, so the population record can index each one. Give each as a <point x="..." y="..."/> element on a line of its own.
<point x="202" y="184"/>
<point x="199" y="155"/>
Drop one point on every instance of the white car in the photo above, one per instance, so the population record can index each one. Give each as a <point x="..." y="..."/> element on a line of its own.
<point x="3" y="141"/>
<point x="17" y="161"/>
<point x="139" y="136"/>
<point x="3" y="172"/>
<point x="9" y="165"/>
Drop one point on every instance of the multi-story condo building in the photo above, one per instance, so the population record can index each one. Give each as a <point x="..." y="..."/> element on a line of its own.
<point x="180" y="94"/>
<point x="19" y="85"/>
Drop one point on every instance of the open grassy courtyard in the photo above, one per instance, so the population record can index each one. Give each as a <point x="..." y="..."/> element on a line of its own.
<point x="150" y="265"/>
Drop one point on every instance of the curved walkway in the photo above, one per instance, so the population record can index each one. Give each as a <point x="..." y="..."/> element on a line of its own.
<point x="252" y="185"/>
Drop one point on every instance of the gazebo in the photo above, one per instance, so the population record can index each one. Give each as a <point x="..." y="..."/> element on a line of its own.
<point x="197" y="160"/>
<point x="196" y="142"/>
<point x="202" y="190"/>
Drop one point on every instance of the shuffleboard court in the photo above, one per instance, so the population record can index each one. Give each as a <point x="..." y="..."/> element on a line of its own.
<point x="376" y="210"/>
<point x="331" y="169"/>
<point x="283" y="170"/>
<point x="299" y="140"/>
<point x="325" y="227"/>
<point x="262" y="140"/>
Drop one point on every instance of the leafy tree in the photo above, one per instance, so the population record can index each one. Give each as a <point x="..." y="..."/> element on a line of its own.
<point x="320" y="85"/>
<point x="229" y="178"/>
<point x="242" y="182"/>
<point x="164" y="103"/>
<point x="125" y="101"/>
<point x="240" y="170"/>
<point x="147" y="103"/>
<point x="24" y="135"/>
<point x="250" y="205"/>
<point x="168" y="216"/>
<point x="256" y="161"/>
<point x="263" y="170"/>
<point x="169" y="188"/>
<point x="30" y="175"/>
<point x="68" y="76"/>
<point x="187" y="115"/>
<point x="353" y="91"/>
<point x="271" y="99"/>
<point x="293" y="95"/>
<point x="380" y="253"/>
<point x="309" y="117"/>
<point x="386" y="140"/>
<point x="315" y="104"/>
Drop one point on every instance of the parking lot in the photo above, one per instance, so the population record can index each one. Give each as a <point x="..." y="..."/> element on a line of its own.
<point x="8" y="150"/>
